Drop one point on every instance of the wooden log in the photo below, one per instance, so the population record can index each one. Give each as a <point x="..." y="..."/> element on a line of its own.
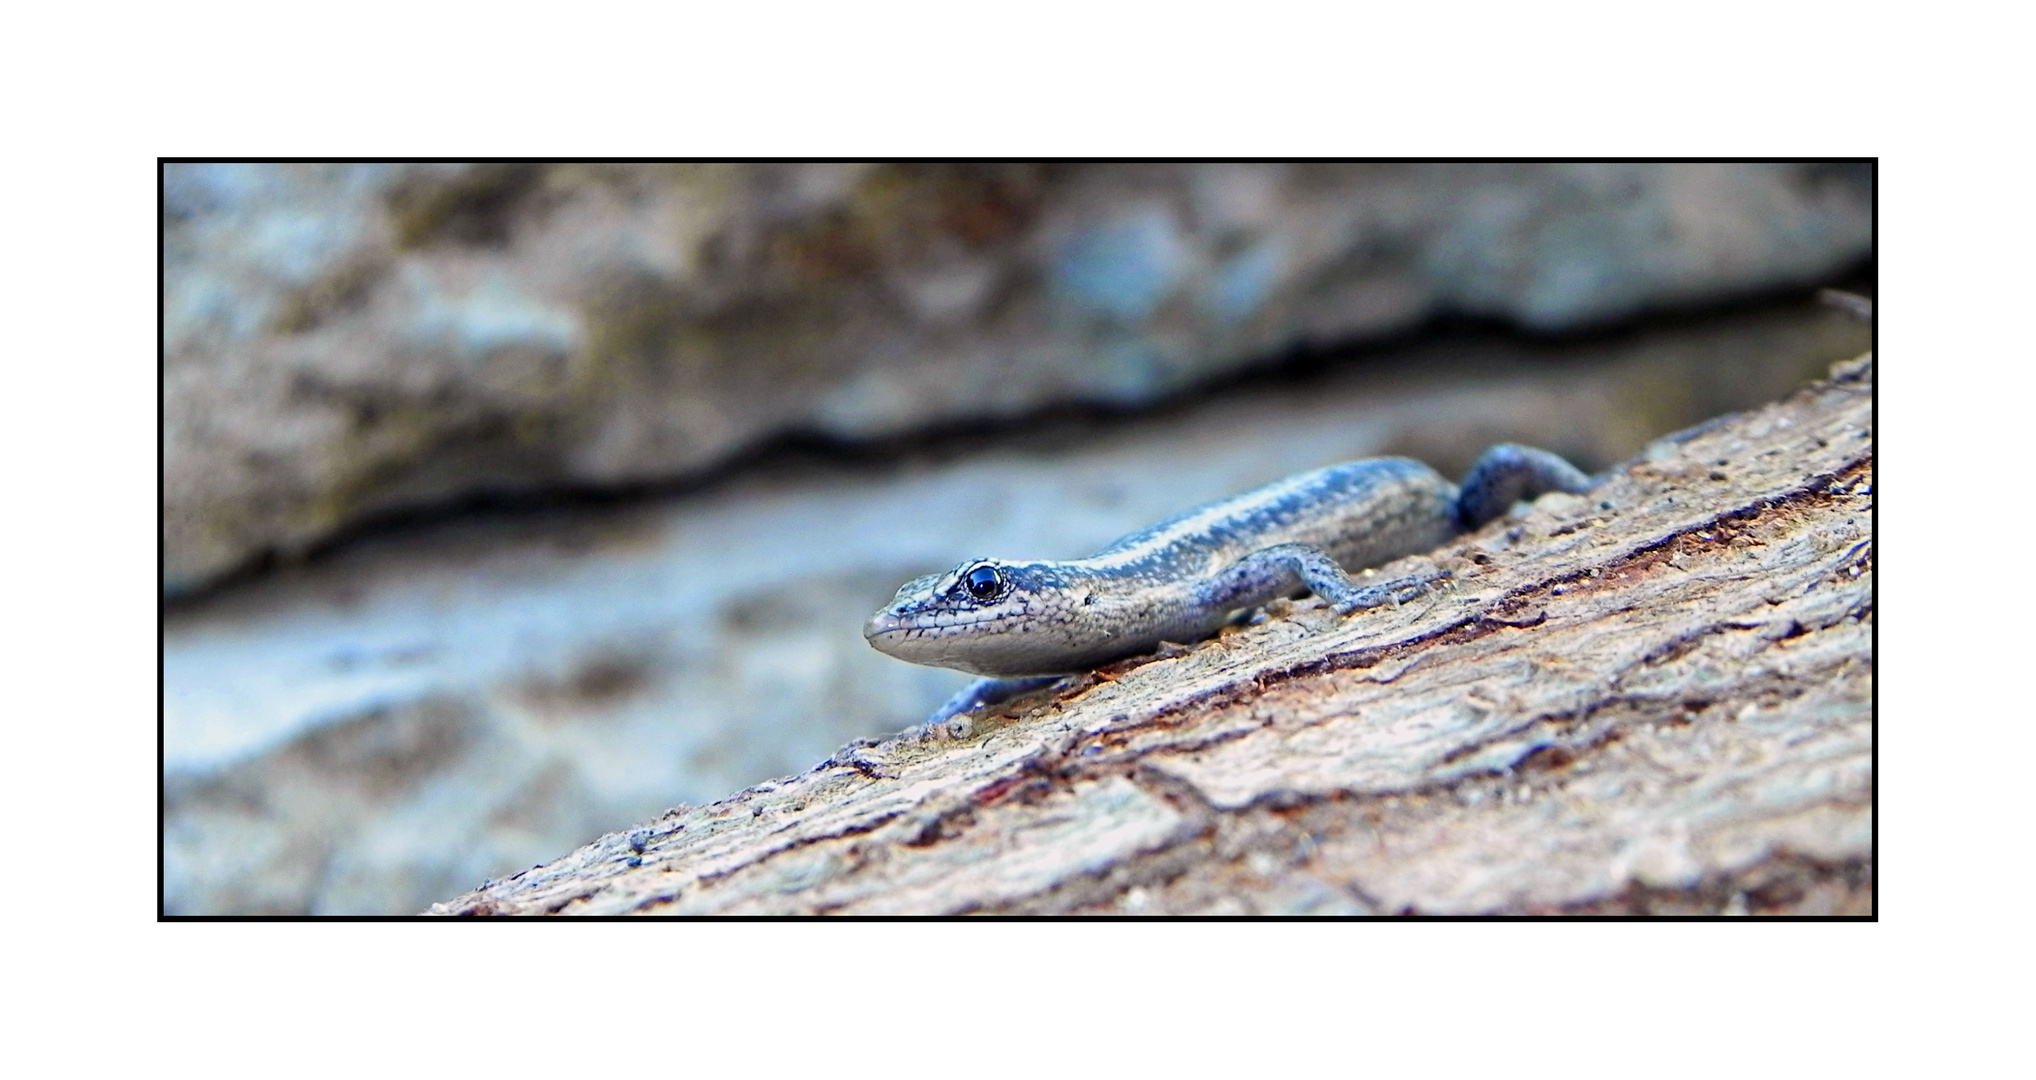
<point x="1655" y="698"/>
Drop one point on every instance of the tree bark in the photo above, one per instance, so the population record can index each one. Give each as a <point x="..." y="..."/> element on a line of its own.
<point x="1655" y="698"/>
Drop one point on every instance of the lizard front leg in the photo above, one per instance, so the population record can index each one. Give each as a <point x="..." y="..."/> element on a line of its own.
<point x="955" y="715"/>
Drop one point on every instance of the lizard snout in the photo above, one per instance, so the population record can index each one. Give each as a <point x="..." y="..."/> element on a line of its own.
<point x="883" y="622"/>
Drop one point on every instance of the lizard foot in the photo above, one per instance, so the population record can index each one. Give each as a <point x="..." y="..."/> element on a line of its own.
<point x="1397" y="591"/>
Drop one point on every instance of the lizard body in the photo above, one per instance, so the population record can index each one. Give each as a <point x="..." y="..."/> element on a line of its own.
<point x="1026" y="623"/>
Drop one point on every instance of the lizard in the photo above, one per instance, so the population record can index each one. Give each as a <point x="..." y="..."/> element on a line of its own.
<point x="1023" y="625"/>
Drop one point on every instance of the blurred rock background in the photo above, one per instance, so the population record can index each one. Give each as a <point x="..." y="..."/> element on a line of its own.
<point x="505" y="505"/>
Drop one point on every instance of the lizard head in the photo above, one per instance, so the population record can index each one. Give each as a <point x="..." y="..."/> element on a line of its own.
<point x="979" y="617"/>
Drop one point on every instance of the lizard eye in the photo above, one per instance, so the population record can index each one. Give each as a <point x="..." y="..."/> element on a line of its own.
<point x="984" y="584"/>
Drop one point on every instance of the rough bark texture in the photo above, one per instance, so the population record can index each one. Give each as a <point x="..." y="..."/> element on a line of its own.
<point x="1654" y="699"/>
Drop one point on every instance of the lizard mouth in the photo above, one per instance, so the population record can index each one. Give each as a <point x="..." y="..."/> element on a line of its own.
<point x="955" y="640"/>
<point x="890" y="626"/>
